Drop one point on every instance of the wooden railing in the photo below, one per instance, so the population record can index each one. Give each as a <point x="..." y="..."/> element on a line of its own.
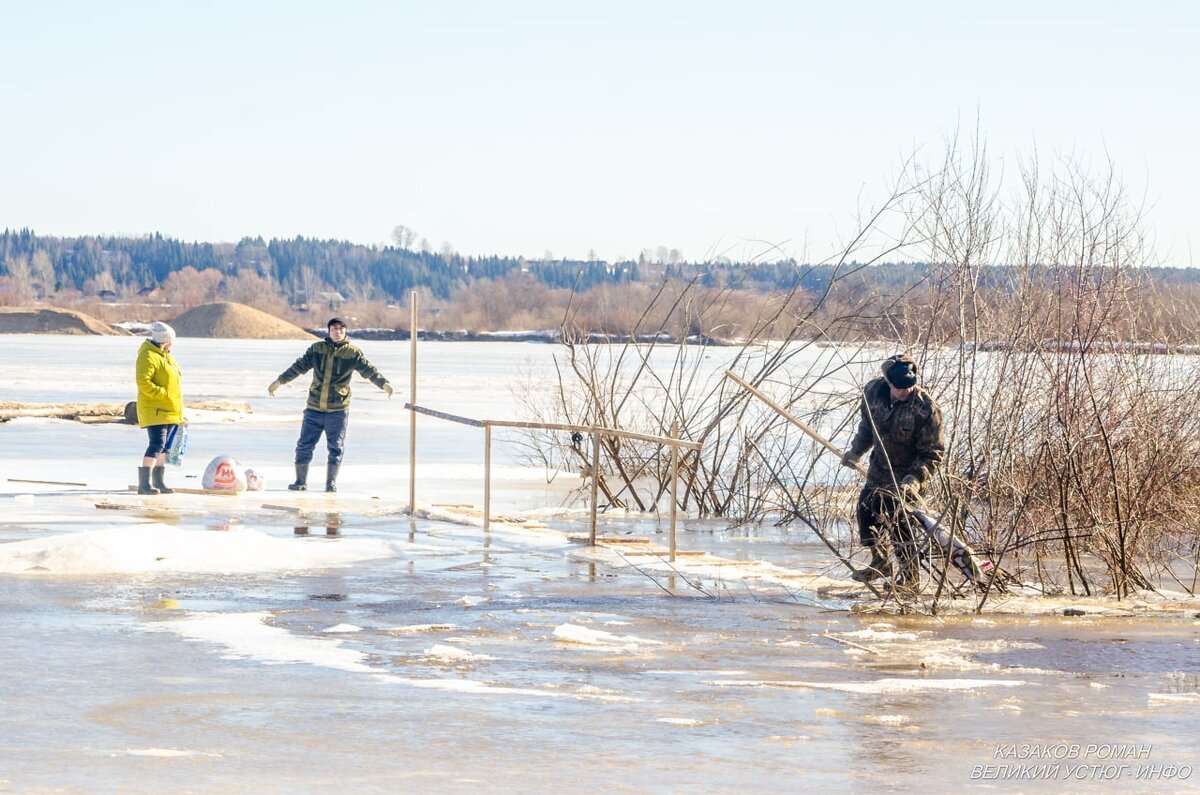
<point x="596" y="433"/>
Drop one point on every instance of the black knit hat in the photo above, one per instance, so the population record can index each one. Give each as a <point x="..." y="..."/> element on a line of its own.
<point x="900" y="371"/>
<point x="338" y="321"/>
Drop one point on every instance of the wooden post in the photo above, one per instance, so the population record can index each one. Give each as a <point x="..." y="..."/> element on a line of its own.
<point x="487" y="475"/>
<point x="412" y="415"/>
<point x="674" y="484"/>
<point x="595" y="483"/>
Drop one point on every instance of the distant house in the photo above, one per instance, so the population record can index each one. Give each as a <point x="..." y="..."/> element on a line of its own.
<point x="148" y="291"/>
<point x="333" y="300"/>
<point x="301" y="301"/>
<point x="107" y="295"/>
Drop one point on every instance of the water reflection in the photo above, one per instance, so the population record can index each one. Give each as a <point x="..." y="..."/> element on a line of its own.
<point x="333" y="526"/>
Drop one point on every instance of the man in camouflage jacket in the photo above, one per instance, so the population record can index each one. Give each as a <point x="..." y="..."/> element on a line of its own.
<point x="902" y="424"/>
<point x="333" y="361"/>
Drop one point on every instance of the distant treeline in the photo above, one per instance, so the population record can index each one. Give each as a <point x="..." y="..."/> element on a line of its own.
<point x="303" y="266"/>
<point x="299" y="265"/>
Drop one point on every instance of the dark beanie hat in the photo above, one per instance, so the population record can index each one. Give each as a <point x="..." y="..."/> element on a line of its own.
<point x="338" y="321"/>
<point x="900" y="371"/>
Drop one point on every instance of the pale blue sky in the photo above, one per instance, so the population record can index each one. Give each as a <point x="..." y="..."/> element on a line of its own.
<point x="521" y="127"/>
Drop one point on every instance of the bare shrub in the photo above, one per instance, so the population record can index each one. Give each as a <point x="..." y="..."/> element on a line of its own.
<point x="1071" y="450"/>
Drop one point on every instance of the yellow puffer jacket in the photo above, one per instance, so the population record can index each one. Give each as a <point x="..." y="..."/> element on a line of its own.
<point x="160" y="399"/>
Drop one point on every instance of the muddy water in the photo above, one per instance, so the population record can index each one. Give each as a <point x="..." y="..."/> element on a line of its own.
<point x="472" y="663"/>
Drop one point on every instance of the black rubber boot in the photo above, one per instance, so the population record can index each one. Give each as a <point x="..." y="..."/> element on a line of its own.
<point x="331" y="473"/>
<point x="301" y="483"/>
<point x="144" y="486"/>
<point x="157" y="475"/>
<point x="879" y="566"/>
<point x="909" y="575"/>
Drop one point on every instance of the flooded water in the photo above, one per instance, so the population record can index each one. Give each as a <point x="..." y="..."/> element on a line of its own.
<point x="284" y="642"/>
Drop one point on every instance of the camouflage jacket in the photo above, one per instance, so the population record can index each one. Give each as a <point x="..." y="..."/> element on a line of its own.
<point x="332" y="364"/>
<point x="907" y="437"/>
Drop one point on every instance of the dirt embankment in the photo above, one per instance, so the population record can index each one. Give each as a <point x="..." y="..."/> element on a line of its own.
<point x="92" y="413"/>
<point x="18" y="320"/>
<point x="227" y="320"/>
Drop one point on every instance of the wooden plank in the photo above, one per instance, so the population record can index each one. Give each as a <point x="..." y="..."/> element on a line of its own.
<point x="117" y="506"/>
<point x="609" y="539"/>
<point x="660" y="552"/>
<point x="808" y="429"/>
<point x="187" y="490"/>
<point x="47" y="482"/>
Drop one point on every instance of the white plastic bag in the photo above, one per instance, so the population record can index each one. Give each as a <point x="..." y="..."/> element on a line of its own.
<point x="225" y="474"/>
<point x="255" y="481"/>
<point x="177" y="444"/>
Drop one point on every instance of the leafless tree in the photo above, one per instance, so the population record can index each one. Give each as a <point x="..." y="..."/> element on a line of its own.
<point x="1071" y="452"/>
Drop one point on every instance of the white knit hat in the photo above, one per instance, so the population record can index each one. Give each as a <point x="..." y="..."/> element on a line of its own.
<point x="160" y="332"/>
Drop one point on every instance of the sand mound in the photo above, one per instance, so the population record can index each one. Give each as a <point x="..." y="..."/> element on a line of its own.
<point x="226" y="320"/>
<point x="15" y="320"/>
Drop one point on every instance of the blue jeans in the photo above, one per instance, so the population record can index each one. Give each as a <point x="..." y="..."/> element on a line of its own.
<point x="332" y="424"/>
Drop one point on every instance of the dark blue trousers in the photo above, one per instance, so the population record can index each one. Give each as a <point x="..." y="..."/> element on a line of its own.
<point x="159" y="437"/>
<point x="332" y="424"/>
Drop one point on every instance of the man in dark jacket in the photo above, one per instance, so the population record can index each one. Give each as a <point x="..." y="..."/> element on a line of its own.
<point x="902" y="423"/>
<point x="333" y="361"/>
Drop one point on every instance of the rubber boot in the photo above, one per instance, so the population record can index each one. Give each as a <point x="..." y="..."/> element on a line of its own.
<point x="909" y="575"/>
<point x="157" y="475"/>
<point x="879" y="566"/>
<point x="301" y="483"/>
<point x="144" y="486"/>
<point x="331" y="473"/>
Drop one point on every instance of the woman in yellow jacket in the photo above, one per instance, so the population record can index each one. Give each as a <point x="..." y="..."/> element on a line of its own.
<point x="159" y="404"/>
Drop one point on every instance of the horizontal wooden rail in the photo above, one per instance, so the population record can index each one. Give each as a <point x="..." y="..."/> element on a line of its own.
<point x="682" y="444"/>
<point x="441" y="415"/>
<point x="596" y="432"/>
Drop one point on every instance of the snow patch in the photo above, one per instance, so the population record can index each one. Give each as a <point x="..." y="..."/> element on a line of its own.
<point x="599" y="639"/>
<point x="680" y="721"/>
<point x="247" y="636"/>
<point x="165" y="752"/>
<point x="442" y="651"/>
